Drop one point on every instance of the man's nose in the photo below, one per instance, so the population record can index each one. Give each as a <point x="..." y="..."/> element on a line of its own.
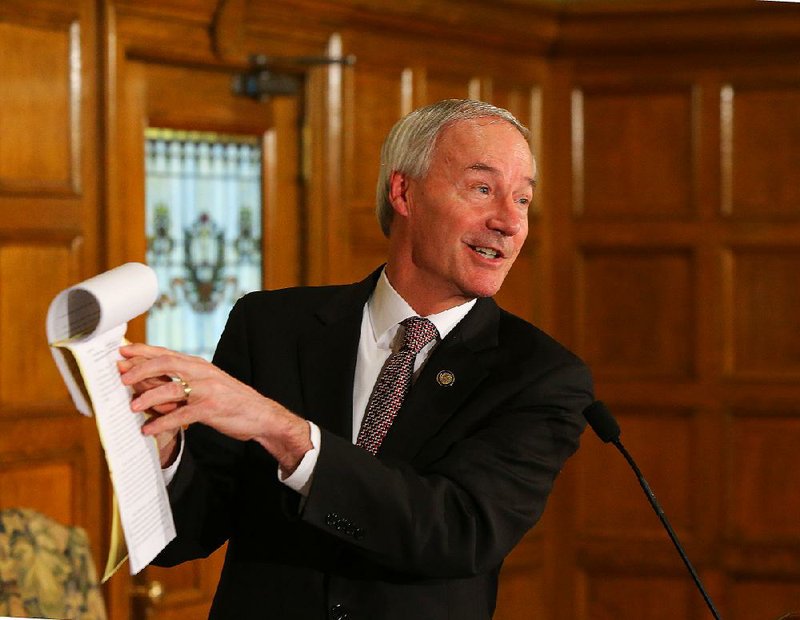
<point x="507" y="217"/>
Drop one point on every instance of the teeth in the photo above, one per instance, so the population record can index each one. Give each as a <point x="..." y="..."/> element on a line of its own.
<point x="488" y="252"/>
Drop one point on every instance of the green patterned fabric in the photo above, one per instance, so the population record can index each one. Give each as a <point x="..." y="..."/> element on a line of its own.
<point x="46" y="569"/>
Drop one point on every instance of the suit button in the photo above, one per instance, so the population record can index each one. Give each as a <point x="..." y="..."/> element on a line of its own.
<point x="339" y="612"/>
<point x="331" y="519"/>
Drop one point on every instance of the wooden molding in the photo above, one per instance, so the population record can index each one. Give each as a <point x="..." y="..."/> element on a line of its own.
<point x="227" y="30"/>
<point x="536" y="28"/>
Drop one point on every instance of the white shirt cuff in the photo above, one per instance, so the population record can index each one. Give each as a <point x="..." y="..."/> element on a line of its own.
<point x="169" y="472"/>
<point x="300" y="479"/>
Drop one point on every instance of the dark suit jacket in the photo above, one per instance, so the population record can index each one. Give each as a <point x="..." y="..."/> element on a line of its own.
<point x="419" y="532"/>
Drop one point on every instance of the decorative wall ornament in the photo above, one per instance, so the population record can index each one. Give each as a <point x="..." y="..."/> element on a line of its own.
<point x="204" y="260"/>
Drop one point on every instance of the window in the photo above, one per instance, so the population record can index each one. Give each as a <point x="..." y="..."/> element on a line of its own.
<point x="203" y="227"/>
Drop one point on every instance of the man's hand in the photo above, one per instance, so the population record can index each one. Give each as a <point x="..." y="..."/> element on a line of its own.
<point x="168" y="443"/>
<point x="182" y="389"/>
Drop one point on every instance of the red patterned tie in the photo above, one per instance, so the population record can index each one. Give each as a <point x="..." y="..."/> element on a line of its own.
<point x="393" y="384"/>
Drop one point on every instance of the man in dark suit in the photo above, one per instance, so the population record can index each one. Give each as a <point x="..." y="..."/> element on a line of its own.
<point x="362" y="465"/>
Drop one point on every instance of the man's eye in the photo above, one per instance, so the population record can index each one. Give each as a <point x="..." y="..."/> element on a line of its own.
<point x="483" y="189"/>
<point x="524" y="201"/>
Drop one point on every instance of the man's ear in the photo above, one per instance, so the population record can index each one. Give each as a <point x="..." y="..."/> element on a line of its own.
<point x="398" y="192"/>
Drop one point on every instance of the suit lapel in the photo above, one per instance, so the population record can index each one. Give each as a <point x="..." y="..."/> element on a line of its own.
<point x="328" y="358"/>
<point x="467" y="353"/>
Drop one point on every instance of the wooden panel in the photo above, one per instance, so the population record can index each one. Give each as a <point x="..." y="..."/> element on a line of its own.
<point x="39" y="110"/>
<point x="369" y="246"/>
<point x="634" y="596"/>
<point x="519" y="100"/>
<point x="196" y="10"/>
<point x="764" y="475"/>
<point x="444" y="86"/>
<point x="195" y="98"/>
<point x="762" y="304"/>
<point x="628" y="299"/>
<point x="376" y="106"/>
<point x="761" y="151"/>
<point x="763" y="598"/>
<point x="610" y="500"/>
<point x="282" y="227"/>
<point x="633" y="153"/>
<point x="32" y="274"/>
<point x="50" y="458"/>
<point x="48" y="487"/>
<point x="53" y="464"/>
<point x="521" y="595"/>
<point x="522" y="590"/>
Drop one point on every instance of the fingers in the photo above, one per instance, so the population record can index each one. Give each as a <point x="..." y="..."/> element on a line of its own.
<point x="146" y="367"/>
<point x="142" y="350"/>
<point x="165" y="408"/>
<point x="164" y="396"/>
<point x="149" y="383"/>
<point x="158" y="378"/>
<point x="181" y="389"/>
<point x="172" y="423"/>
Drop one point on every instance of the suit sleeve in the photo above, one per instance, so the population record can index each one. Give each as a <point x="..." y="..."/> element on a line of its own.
<point x="461" y="514"/>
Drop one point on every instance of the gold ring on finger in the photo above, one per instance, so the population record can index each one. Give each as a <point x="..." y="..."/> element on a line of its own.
<point x="187" y="389"/>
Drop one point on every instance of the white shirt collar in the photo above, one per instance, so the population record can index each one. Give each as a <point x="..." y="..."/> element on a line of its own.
<point x="387" y="309"/>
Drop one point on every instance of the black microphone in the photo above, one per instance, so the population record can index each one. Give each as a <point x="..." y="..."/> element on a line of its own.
<point x="607" y="429"/>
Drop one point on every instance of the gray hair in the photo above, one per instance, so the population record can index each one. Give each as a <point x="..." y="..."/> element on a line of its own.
<point x="408" y="148"/>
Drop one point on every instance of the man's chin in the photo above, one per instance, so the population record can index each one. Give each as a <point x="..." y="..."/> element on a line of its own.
<point x="487" y="288"/>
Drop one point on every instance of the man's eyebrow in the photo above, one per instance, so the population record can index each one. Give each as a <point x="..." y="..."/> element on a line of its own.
<point x="491" y="169"/>
<point x="483" y="168"/>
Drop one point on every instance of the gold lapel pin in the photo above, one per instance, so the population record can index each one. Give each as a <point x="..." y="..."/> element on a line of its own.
<point x="445" y="378"/>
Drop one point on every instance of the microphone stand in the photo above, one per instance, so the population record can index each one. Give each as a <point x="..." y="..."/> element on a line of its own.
<point x="672" y="535"/>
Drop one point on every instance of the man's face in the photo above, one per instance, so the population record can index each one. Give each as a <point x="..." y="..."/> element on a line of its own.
<point x="466" y="221"/>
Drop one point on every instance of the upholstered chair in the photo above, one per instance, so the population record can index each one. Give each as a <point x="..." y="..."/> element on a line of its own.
<point x="46" y="569"/>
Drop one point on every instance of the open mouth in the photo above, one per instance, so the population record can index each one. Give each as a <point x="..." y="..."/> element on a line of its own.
<point x="486" y="252"/>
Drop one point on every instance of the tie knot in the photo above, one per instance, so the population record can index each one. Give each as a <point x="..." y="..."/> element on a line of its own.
<point x="419" y="332"/>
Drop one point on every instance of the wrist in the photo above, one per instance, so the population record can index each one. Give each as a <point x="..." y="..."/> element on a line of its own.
<point x="287" y="441"/>
<point x="168" y="449"/>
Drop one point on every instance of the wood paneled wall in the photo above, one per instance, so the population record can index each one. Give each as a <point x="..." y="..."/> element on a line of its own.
<point x="49" y="219"/>
<point x="685" y="236"/>
<point x="664" y="247"/>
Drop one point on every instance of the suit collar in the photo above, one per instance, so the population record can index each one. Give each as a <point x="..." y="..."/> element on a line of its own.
<point x="351" y="298"/>
<point x="328" y="357"/>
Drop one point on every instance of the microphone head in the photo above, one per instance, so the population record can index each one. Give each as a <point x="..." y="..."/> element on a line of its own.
<point x="602" y="422"/>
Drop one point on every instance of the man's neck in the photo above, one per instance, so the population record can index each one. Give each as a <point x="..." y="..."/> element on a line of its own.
<point x="422" y="298"/>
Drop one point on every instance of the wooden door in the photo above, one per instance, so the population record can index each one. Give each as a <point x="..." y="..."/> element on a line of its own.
<point x="166" y="93"/>
<point x="50" y="456"/>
